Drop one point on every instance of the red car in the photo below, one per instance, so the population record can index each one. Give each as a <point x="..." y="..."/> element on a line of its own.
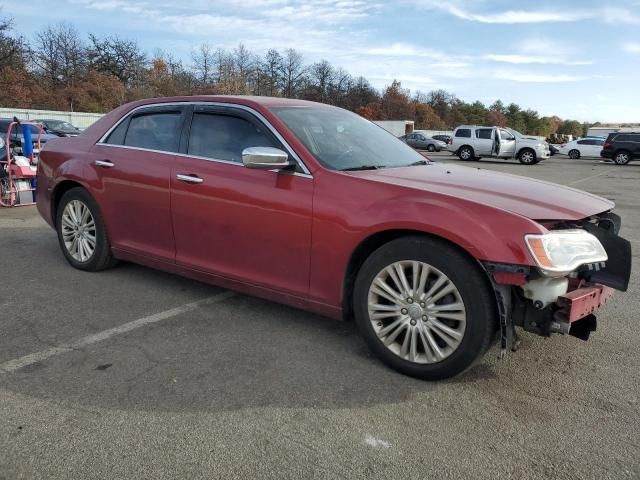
<point x="315" y="207"/>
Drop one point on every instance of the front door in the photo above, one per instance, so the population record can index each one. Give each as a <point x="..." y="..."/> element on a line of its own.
<point x="131" y="175"/>
<point x="244" y="224"/>
<point x="507" y="143"/>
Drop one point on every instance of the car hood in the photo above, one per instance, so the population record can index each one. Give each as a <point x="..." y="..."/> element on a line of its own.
<point x="534" y="199"/>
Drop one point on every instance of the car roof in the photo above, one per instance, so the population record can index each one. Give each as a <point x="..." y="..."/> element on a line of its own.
<point x="247" y="100"/>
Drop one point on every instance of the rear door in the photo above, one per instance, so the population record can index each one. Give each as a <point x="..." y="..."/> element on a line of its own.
<point x="131" y="170"/>
<point x="483" y="141"/>
<point x="240" y="223"/>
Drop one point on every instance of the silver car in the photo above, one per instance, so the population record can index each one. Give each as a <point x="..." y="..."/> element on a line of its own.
<point x="472" y="142"/>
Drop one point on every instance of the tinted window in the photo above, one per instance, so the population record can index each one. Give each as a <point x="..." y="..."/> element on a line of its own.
<point x="484" y="133"/>
<point x="627" y="138"/>
<point x="463" y="132"/>
<point x="224" y="137"/>
<point x="505" y="135"/>
<point x="584" y="142"/>
<point x="116" y="137"/>
<point x="155" y="131"/>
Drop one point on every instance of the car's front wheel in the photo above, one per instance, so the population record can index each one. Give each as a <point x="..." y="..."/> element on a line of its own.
<point x="81" y="232"/>
<point x="527" y="157"/>
<point x="431" y="147"/>
<point x="424" y="308"/>
<point x="574" y="154"/>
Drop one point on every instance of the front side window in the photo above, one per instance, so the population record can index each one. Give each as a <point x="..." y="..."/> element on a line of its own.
<point x="584" y="142"/>
<point x="463" y="132"/>
<point x="484" y="133"/>
<point x="224" y="137"/>
<point x="505" y="135"/>
<point x="154" y="131"/>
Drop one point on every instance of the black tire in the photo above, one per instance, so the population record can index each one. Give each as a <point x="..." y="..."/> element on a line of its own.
<point x="574" y="154"/>
<point x="431" y="147"/>
<point x="622" y="157"/>
<point x="527" y="156"/>
<point x="101" y="258"/>
<point x="470" y="281"/>
<point x="466" y="153"/>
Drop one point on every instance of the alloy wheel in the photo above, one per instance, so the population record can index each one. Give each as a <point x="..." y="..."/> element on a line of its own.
<point x="622" y="158"/>
<point x="78" y="231"/>
<point x="416" y="311"/>
<point x="527" y="157"/>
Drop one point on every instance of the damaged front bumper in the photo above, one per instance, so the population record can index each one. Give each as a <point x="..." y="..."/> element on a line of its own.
<point x="566" y="305"/>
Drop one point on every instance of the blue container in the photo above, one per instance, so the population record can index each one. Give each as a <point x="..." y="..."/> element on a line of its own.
<point x="27" y="142"/>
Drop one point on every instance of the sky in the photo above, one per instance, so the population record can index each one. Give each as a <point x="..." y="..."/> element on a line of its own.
<point x="578" y="59"/>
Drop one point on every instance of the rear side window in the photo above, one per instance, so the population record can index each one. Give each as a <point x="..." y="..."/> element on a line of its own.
<point x="625" y="137"/>
<point x="463" y="132"/>
<point x="224" y="137"/>
<point x="116" y="137"/>
<point x="154" y="131"/>
<point x="484" y="133"/>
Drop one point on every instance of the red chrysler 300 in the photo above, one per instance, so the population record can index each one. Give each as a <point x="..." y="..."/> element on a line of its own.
<point x="315" y="207"/>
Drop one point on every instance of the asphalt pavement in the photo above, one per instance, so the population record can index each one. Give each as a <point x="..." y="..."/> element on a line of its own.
<point x="133" y="374"/>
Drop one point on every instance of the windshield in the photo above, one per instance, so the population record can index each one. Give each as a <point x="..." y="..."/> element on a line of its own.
<point x="16" y="129"/>
<point x="342" y="140"/>
<point x="60" y="125"/>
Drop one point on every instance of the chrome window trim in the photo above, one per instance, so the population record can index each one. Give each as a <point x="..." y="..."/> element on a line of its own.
<point x="196" y="157"/>
<point x="291" y="151"/>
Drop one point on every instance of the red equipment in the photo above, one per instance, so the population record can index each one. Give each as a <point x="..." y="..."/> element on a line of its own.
<point x="17" y="187"/>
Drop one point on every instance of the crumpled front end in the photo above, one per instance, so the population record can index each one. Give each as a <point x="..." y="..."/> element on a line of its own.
<point x="548" y="299"/>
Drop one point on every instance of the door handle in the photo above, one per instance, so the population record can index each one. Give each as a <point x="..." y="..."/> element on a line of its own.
<point x="189" y="178"/>
<point x="104" y="163"/>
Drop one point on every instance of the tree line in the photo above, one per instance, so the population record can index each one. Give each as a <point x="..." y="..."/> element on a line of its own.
<point x="60" y="70"/>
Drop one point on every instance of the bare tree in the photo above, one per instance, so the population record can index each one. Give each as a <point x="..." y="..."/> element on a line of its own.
<point x="204" y="62"/>
<point x="12" y="49"/>
<point x="120" y="58"/>
<point x="293" y="73"/>
<point x="60" y="56"/>
<point x="272" y="67"/>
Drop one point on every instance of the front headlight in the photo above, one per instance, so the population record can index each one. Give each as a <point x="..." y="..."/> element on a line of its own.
<point x="560" y="252"/>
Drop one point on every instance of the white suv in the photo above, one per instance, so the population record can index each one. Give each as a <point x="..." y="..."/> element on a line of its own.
<point x="471" y="142"/>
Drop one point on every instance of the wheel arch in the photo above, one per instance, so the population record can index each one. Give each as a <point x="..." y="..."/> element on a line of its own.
<point x="56" y="195"/>
<point x="377" y="240"/>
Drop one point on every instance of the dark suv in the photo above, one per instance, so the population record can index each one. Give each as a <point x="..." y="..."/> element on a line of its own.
<point x="622" y="147"/>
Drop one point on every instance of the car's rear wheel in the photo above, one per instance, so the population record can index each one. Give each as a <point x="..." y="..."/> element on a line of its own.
<point x="81" y="232"/>
<point x="527" y="157"/>
<point x="574" y="154"/>
<point x="431" y="147"/>
<point x="465" y="153"/>
<point x="424" y="308"/>
<point x="622" y="157"/>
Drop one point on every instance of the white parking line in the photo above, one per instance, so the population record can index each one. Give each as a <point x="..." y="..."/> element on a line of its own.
<point x="575" y="182"/>
<point x="18" y="363"/>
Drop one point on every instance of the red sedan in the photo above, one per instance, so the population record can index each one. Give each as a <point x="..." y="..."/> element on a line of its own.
<point x="315" y="207"/>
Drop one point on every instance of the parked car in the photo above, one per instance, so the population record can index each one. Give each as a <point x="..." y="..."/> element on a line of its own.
<point x="621" y="147"/>
<point x="59" y="128"/>
<point x="584" y="147"/>
<point x="471" y="142"/>
<point x="17" y="135"/>
<point x="422" y="142"/>
<point x="442" y="138"/>
<point x="316" y="207"/>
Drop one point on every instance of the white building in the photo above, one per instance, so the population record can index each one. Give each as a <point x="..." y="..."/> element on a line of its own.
<point x="396" y="127"/>
<point x="603" y="131"/>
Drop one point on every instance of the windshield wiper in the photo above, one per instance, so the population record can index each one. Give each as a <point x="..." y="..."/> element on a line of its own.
<point x="362" y="167"/>
<point x="420" y="162"/>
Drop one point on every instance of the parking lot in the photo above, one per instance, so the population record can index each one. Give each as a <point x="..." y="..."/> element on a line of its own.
<point x="134" y="373"/>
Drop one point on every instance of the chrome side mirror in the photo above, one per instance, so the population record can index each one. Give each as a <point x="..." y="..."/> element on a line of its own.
<point x="266" y="158"/>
